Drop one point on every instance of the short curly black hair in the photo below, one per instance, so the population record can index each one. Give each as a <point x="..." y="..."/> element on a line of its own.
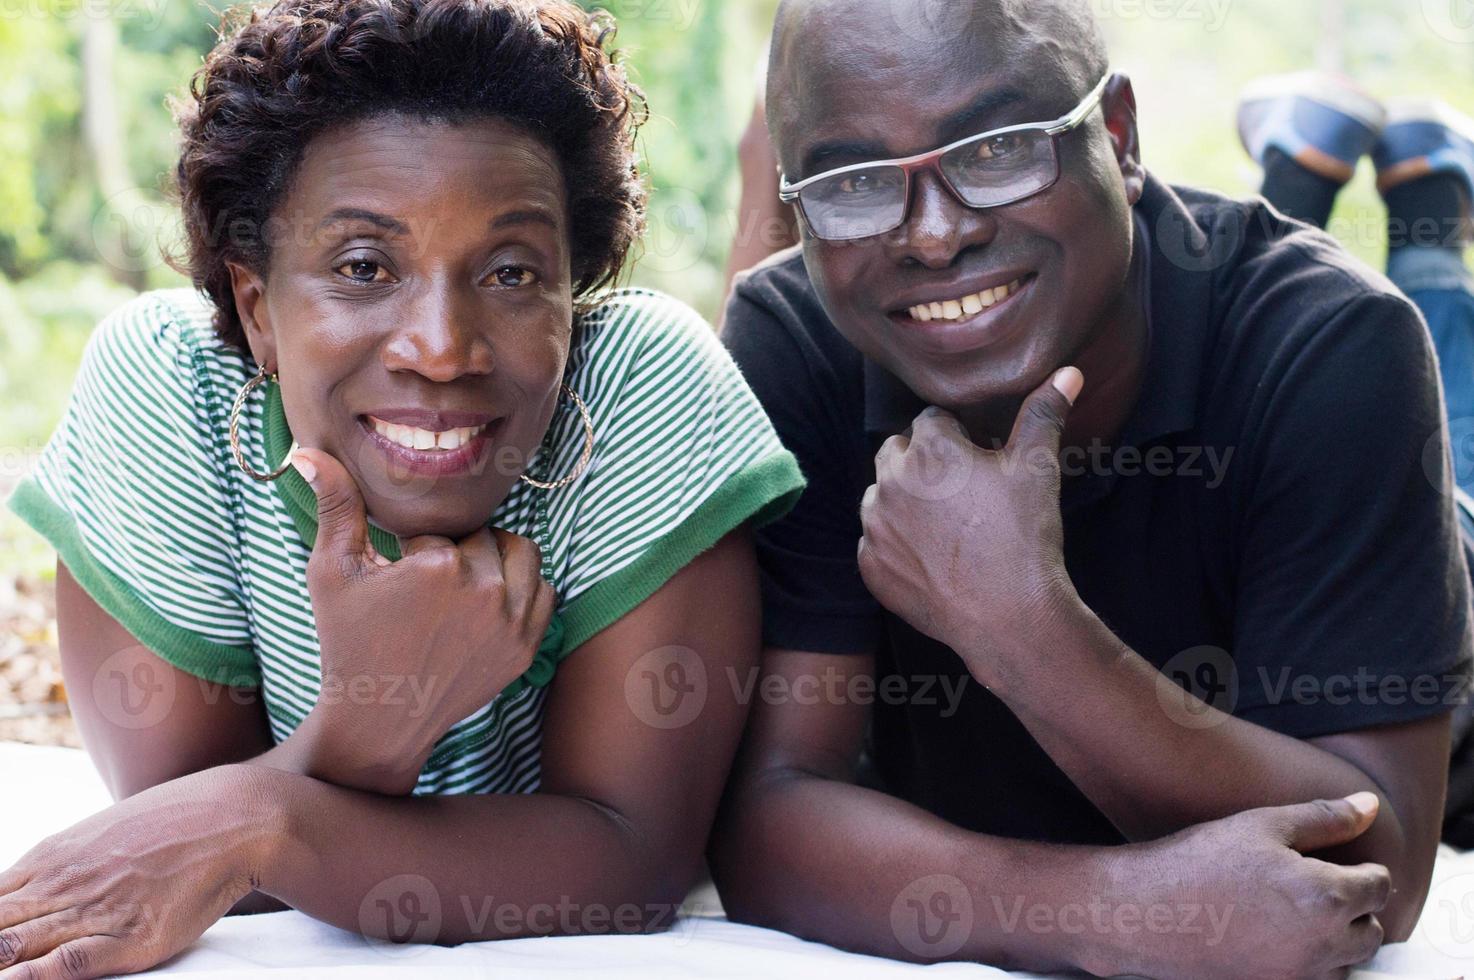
<point x="283" y="74"/>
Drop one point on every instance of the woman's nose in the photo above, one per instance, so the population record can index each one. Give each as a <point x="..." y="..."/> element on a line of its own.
<point x="442" y="338"/>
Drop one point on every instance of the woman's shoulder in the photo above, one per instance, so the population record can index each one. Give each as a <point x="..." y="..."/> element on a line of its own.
<point x="164" y="339"/>
<point x="167" y="328"/>
<point x="639" y="321"/>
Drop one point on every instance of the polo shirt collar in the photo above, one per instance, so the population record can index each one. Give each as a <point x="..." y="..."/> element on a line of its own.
<point x="1178" y="258"/>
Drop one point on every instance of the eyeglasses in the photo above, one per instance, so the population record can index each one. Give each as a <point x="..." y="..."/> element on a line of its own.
<point x="988" y="170"/>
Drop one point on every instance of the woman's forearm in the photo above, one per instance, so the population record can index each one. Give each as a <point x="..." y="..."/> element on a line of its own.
<point x="452" y="869"/>
<point x="309" y="752"/>
<point x="325" y="748"/>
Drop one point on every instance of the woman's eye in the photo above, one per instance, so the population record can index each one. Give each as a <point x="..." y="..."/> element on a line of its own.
<point x="364" y="271"/>
<point x="513" y="276"/>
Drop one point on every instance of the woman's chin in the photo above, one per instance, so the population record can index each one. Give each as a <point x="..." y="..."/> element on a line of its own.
<point x="414" y="522"/>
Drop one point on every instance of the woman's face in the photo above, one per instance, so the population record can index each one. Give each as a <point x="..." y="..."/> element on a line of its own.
<point x="418" y="309"/>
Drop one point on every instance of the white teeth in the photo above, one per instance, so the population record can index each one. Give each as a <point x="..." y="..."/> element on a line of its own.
<point x="965" y="307"/>
<point x="423" y="439"/>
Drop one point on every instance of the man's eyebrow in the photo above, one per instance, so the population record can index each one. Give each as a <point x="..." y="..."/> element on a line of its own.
<point x="360" y="214"/>
<point x="963" y="123"/>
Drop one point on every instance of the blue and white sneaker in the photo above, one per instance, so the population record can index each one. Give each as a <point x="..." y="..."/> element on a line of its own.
<point x="1323" y="122"/>
<point x="1424" y="137"/>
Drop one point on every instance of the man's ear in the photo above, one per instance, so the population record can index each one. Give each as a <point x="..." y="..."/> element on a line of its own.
<point x="249" y="290"/>
<point x="1119" y="107"/>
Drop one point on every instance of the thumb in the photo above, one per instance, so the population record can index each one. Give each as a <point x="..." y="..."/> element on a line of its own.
<point x="342" y="527"/>
<point x="1041" y="418"/>
<point x="1321" y="824"/>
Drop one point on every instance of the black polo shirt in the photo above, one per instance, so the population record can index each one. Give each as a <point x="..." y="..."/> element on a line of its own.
<point x="1273" y="527"/>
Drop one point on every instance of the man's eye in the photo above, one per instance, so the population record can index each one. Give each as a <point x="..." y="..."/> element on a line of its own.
<point x="1000" y="147"/>
<point x="861" y="184"/>
<point x="513" y="276"/>
<point x="363" y="270"/>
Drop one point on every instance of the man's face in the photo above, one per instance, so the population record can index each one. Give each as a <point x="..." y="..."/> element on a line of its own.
<point x="852" y="90"/>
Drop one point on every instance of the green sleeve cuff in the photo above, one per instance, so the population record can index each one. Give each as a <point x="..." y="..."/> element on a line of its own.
<point x="760" y="494"/>
<point x="221" y="663"/>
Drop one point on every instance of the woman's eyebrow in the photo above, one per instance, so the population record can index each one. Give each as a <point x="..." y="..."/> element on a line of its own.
<point x="522" y="217"/>
<point x="359" y="214"/>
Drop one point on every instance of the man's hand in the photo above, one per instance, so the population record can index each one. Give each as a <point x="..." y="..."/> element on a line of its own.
<point x="1259" y="907"/>
<point x="961" y="541"/>
<point x="449" y="625"/>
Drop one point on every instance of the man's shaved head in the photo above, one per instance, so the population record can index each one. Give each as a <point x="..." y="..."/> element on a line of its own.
<point x="1060" y="40"/>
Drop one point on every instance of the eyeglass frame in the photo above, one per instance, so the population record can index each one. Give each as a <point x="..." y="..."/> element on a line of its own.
<point x="930" y="161"/>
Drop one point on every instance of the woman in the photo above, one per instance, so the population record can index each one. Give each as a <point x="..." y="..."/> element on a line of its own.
<point x="402" y="566"/>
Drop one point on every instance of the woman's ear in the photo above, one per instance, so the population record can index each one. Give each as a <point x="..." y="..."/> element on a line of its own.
<point x="250" y="291"/>
<point x="1119" y="107"/>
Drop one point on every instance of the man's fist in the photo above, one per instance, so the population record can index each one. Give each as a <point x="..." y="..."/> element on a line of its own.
<point x="961" y="541"/>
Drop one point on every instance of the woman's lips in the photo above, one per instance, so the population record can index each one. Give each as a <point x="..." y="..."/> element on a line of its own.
<point x="472" y="444"/>
<point x="970" y="328"/>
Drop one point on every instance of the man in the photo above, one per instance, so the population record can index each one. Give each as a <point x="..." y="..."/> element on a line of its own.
<point x="1154" y="482"/>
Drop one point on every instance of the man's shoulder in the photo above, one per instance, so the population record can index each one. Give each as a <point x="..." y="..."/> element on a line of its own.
<point x="1257" y="255"/>
<point x="789" y="350"/>
<point x="1275" y="288"/>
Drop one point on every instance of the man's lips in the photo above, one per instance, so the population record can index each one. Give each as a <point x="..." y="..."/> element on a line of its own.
<point x="962" y="300"/>
<point x="967" y="326"/>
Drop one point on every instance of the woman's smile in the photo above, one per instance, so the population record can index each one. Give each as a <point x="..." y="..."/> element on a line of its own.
<point x="422" y="443"/>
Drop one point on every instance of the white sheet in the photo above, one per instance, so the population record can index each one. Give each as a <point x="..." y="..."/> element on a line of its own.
<point x="60" y="787"/>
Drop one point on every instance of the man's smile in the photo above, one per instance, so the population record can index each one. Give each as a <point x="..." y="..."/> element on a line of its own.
<point x="970" y="318"/>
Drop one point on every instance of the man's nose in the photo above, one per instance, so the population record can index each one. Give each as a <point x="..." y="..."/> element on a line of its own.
<point x="443" y="337"/>
<point x="939" y="225"/>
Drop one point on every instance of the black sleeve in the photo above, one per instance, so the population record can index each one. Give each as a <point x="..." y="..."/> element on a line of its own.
<point x="1353" y="595"/>
<point x="813" y="597"/>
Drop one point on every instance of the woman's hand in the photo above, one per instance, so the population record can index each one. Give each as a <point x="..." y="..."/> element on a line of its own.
<point x="129" y="887"/>
<point x="410" y="648"/>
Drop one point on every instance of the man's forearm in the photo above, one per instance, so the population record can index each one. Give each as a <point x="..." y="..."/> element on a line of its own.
<point x="452" y="869"/>
<point x="1153" y="758"/>
<point x="879" y="876"/>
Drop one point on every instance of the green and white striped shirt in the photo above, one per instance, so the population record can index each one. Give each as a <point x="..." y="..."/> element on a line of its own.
<point x="139" y="494"/>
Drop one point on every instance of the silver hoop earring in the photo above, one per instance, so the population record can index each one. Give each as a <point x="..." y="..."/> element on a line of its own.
<point x="235" y="439"/>
<point x="583" y="459"/>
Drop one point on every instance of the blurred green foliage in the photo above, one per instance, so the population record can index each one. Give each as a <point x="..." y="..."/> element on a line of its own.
<point x="62" y="265"/>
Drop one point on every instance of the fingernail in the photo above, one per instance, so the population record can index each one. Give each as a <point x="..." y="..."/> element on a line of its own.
<point x="1364" y="803"/>
<point x="304" y="466"/>
<point x="1069" y="381"/>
